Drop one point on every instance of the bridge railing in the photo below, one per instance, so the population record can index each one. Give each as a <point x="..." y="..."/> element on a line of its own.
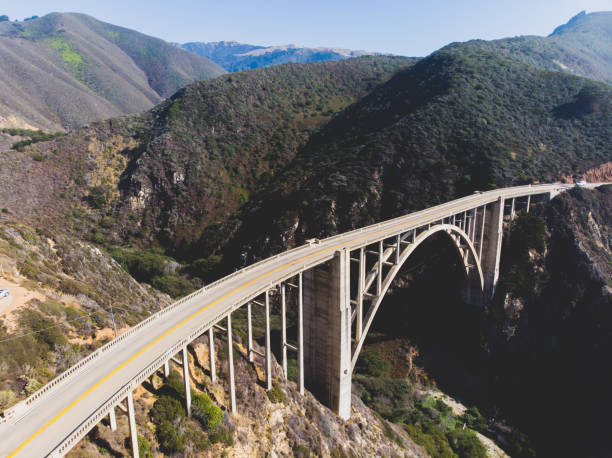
<point x="23" y="405"/>
<point x="82" y="429"/>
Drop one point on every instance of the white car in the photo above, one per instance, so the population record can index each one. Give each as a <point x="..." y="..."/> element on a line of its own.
<point x="581" y="183"/>
<point x="4" y="293"/>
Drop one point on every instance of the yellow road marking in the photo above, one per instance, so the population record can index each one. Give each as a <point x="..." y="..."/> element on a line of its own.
<point x="189" y="318"/>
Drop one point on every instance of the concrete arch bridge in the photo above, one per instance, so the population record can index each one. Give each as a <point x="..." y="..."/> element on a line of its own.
<point x="334" y="315"/>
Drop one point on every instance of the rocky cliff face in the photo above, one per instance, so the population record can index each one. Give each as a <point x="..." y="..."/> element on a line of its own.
<point x="550" y="327"/>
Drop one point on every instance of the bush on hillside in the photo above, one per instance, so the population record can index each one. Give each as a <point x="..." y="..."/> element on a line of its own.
<point x="371" y="363"/>
<point x="206" y="412"/>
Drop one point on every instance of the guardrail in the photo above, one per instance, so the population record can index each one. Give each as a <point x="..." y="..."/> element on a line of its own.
<point x="23" y="405"/>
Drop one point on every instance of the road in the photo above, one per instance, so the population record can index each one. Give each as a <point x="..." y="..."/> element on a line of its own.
<point x="37" y="430"/>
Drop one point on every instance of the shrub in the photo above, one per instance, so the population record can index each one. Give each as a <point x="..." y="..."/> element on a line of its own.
<point x="169" y="438"/>
<point x="391" y="398"/>
<point x="72" y="287"/>
<point x="371" y="363"/>
<point x="528" y="232"/>
<point x="97" y="197"/>
<point x="474" y="419"/>
<point x="206" y="412"/>
<point x="223" y="434"/>
<point x="46" y="331"/>
<point x="195" y="435"/>
<point x="174" y="386"/>
<point x="6" y="398"/>
<point x="431" y="438"/>
<point x="167" y="408"/>
<point x="28" y="270"/>
<point x="204" y="268"/>
<point x="276" y="394"/>
<point x="173" y="285"/>
<point x="143" y="265"/>
<point x="466" y="444"/>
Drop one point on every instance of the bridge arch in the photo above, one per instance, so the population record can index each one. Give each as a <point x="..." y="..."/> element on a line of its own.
<point x="474" y="277"/>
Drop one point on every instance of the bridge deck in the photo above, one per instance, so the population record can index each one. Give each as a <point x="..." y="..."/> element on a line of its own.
<point x="38" y="429"/>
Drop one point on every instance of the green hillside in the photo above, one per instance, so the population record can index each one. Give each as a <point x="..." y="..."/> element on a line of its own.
<point x="457" y="121"/>
<point x="581" y="47"/>
<point x="190" y="162"/>
<point x="62" y="71"/>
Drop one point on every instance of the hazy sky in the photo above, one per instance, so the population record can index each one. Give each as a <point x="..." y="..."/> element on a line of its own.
<point x="408" y="27"/>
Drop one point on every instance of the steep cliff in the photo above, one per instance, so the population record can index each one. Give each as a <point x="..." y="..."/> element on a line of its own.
<point x="550" y="327"/>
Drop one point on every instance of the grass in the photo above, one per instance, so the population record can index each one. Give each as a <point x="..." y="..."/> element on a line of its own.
<point x="69" y="55"/>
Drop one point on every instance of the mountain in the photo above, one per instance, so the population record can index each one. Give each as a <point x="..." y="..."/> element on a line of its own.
<point x="62" y="71"/>
<point x="236" y="57"/>
<point x="234" y="168"/>
<point x="192" y="160"/>
<point x="581" y="47"/>
<point x="460" y="120"/>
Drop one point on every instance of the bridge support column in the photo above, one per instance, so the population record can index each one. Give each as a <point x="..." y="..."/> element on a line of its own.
<point x="132" y="423"/>
<point x="186" y="381"/>
<point x="284" y="331"/>
<point x="360" y="286"/>
<point x="492" y="247"/>
<point x="112" y="419"/>
<point x="166" y="369"/>
<point x="249" y="333"/>
<point x="211" y="354"/>
<point x="300" y="341"/>
<point x="482" y="231"/>
<point x="327" y="318"/>
<point x="230" y="364"/>
<point x="268" y="345"/>
<point x="528" y="203"/>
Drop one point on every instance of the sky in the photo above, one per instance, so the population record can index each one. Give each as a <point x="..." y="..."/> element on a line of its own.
<point x="405" y="27"/>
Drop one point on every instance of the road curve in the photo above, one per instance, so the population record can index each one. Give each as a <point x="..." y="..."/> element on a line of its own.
<point x="38" y="427"/>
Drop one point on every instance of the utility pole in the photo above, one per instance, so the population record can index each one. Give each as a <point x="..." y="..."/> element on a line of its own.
<point x="113" y="318"/>
<point x="112" y="315"/>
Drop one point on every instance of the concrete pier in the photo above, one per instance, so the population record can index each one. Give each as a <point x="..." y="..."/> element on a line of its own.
<point x="230" y="364"/>
<point x="327" y="333"/>
<point x="211" y="354"/>
<point x="492" y="247"/>
<point x="186" y="381"/>
<point x="112" y="420"/>
<point x="284" y="332"/>
<point x="249" y="333"/>
<point x="300" y="342"/>
<point x="132" y="423"/>
<point x="268" y="345"/>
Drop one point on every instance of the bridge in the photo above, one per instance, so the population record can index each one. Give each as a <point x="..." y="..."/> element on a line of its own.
<point x="337" y="286"/>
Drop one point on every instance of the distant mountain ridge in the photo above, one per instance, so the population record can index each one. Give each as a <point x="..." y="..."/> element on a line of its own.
<point x="235" y="57"/>
<point x="64" y="70"/>
<point x="582" y="46"/>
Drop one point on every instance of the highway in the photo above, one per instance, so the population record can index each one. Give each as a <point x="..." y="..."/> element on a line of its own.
<point x="38" y="428"/>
